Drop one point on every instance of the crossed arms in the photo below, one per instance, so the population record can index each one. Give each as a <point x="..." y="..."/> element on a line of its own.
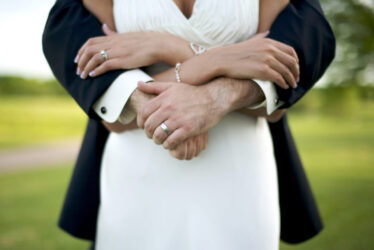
<point x="70" y="18"/>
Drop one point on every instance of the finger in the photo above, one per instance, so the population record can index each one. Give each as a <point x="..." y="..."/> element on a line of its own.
<point x="175" y="138"/>
<point x="92" y="64"/>
<point x="191" y="148"/>
<point x="285" y="48"/>
<point x="179" y="152"/>
<point x="108" y="65"/>
<point x="159" y="136"/>
<point x="154" y="88"/>
<point x="284" y="71"/>
<point x="149" y="108"/>
<point x="199" y="146"/>
<point x="86" y="57"/>
<point x="261" y="35"/>
<point x="290" y="62"/>
<point x="108" y="31"/>
<point x="90" y="42"/>
<point x="271" y="75"/>
<point x="154" y="121"/>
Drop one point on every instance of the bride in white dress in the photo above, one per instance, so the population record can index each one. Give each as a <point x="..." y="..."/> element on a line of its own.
<point x="224" y="199"/>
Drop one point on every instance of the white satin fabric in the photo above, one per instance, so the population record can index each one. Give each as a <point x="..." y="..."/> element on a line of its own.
<point x="227" y="197"/>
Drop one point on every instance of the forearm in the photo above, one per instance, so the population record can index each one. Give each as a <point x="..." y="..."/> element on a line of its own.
<point x="231" y="95"/>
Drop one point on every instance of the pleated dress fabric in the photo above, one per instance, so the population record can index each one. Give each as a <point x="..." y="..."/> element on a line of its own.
<point x="227" y="197"/>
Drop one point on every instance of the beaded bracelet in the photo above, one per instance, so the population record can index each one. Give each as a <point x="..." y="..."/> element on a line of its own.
<point x="177" y="72"/>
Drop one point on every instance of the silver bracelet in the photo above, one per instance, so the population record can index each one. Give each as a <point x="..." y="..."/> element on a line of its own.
<point x="177" y="72"/>
<point x="197" y="49"/>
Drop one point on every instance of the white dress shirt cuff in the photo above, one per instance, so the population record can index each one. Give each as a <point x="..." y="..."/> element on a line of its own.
<point x="111" y="104"/>
<point x="271" y="101"/>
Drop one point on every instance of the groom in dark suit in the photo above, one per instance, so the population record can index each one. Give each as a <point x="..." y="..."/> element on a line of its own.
<point x="301" y="25"/>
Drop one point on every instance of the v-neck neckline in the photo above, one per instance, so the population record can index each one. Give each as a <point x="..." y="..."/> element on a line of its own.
<point x="181" y="12"/>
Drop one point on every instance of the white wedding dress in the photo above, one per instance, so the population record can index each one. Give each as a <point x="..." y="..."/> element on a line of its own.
<point x="227" y="197"/>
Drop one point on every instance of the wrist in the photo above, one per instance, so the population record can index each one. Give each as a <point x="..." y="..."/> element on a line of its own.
<point x="173" y="49"/>
<point x="218" y="65"/>
<point x="199" y="69"/>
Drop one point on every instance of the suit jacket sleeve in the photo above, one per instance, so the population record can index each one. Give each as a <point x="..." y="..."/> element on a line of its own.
<point x="69" y="26"/>
<point x="303" y="26"/>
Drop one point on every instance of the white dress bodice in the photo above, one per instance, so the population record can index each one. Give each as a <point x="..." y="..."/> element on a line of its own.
<point x="227" y="197"/>
<point x="212" y="23"/>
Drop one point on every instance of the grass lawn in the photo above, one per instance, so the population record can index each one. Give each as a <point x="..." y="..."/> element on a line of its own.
<point x="336" y="150"/>
<point x="30" y="120"/>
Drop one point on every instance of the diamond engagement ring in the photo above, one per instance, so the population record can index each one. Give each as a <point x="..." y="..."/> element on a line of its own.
<point x="104" y="55"/>
<point x="165" y="128"/>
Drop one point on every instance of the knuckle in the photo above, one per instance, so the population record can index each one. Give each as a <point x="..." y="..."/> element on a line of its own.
<point x="148" y="126"/>
<point x="90" y="51"/>
<point x="90" y="41"/>
<point x="264" y="69"/>
<point x="172" y="143"/>
<point x="279" y="79"/>
<point x="267" y="59"/>
<point x="158" y="138"/>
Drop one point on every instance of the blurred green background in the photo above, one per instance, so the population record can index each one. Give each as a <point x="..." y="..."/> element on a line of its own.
<point x="333" y="126"/>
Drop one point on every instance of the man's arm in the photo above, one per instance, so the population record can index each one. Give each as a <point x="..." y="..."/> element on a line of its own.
<point x="68" y="27"/>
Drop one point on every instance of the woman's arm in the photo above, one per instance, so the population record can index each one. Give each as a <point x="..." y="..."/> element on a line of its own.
<point x="102" y="9"/>
<point x="192" y="70"/>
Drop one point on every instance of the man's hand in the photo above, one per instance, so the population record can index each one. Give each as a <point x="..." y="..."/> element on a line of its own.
<point x="191" y="147"/>
<point x="187" y="150"/>
<point x="189" y="110"/>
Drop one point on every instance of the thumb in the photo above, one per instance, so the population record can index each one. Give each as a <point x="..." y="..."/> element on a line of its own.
<point x="262" y="34"/>
<point x="108" y="31"/>
<point x="154" y="88"/>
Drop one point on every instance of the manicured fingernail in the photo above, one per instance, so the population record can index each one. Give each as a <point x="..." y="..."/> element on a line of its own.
<point x="76" y="59"/>
<point x="294" y="85"/>
<point x="91" y="74"/>
<point x="105" y="25"/>
<point x="83" y="75"/>
<point x="78" y="71"/>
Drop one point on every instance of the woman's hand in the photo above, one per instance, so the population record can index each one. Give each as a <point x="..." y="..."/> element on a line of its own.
<point x="129" y="50"/>
<point x="191" y="147"/>
<point x="259" y="58"/>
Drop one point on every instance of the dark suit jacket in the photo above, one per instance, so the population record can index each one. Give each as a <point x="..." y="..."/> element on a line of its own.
<point x="301" y="24"/>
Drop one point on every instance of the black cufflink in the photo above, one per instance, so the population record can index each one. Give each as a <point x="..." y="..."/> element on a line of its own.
<point x="103" y="110"/>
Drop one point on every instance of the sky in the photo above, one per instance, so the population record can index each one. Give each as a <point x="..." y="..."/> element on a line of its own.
<point x="21" y="26"/>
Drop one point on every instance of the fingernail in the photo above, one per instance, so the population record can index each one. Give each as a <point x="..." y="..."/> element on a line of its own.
<point x="91" y="74"/>
<point x="287" y="87"/>
<point x="76" y="59"/>
<point x="78" y="71"/>
<point x="294" y="85"/>
<point x="105" y="25"/>
<point x="298" y="79"/>
<point x="83" y="76"/>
